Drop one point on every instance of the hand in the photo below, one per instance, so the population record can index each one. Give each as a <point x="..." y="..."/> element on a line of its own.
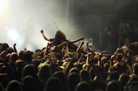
<point x="120" y="50"/>
<point x="81" y="38"/>
<point x="112" y="57"/>
<point x="25" y="48"/>
<point x="82" y="42"/>
<point x="14" y="44"/>
<point x="87" y="43"/>
<point x="42" y="31"/>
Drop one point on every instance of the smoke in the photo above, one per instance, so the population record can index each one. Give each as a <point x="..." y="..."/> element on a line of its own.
<point x="28" y="17"/>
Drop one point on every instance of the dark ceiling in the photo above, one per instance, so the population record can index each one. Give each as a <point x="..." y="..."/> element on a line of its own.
<point x="127" y="9"/>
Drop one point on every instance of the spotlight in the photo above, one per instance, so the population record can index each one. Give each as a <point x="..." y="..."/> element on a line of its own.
<point x="13" y="35"/>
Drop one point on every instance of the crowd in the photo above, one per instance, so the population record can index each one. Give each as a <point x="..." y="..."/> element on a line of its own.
<point x="63" y="66"/>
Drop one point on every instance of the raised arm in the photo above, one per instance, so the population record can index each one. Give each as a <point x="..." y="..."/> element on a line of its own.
<point x="42" y="32"/>
<point x="95" y="69"/>
<point x="79" y="48"/>
<point x="14" y="47"/>
<point x="81" y="38"/>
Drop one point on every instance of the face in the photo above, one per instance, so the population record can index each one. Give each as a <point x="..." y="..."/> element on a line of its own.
<point x="127" y="42"/>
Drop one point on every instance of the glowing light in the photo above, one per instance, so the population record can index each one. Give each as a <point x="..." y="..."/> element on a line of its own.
<point x="13" y="35"/>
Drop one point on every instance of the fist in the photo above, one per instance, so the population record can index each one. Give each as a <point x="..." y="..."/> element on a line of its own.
<point x="81" y="38"/>
<point x="42" y="31"/>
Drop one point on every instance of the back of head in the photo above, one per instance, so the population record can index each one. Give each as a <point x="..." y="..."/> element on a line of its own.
<point x="83" y="86"/>
<point x="44" y="73"/>
<point x="28" y="82"/>
<point x="29" y="70"/>
<point x="113" y="86"/>
<point x="21" y="54"/>
<point x="27" y="57"/>
<point x="10" y="50"/>
<point x="20" y="64"/>
<point x="119" y="57"/>
<point x="123" y="79"/>
<point x="13" y="57"/>
<point x="4" y="46"/>
<point x="84" y="75"/>
<point x="72" y="81"/>
<point x="131" y="79"/>
<point x="91" y="72"/>
<point x="53" y="84"/>
<point x="135" y="68"/>
<point x="134" y="48"/>
<point x="60" y="35"/>
<point x="114" y="76"/>
<point x="14" y="86"/>
<point x="61" y="76"/>
<point x="74" y="69"/>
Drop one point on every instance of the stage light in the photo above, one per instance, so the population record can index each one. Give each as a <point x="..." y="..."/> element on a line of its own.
<point x="13" y="35"/>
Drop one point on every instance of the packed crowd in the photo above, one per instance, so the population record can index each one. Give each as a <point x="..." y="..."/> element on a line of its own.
<point x="63" y="66"/>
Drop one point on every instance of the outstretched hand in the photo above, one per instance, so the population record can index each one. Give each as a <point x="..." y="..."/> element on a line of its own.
<point x="42" y="31"/>
<point x="81" y="38"/>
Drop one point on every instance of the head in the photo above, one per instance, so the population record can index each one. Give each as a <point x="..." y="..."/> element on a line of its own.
<point x="27" y="57"/>
<point x="13" y="57"/>
<point x="14" y="86"/>
<point x="113" y="86"/>
<point x="123" y="79"/>
<point x="44" y="73"/>
<point x="53" y="84"/>
<point x="29" y="70"/>
<point x="29" y="83"/>
<point x="60" y="35"/>
<point x="135" y="68"/>
<point x="127" y="41"/>
<point x="84" y="75"/>
<point x="83" y="86"/>
<point x="4" y="46"/>
<point x="72" y="81"/>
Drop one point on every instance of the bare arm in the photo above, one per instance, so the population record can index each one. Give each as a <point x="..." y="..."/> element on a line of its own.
<point x="95" y="69"/>
<point x="81" y="38"/>
<point x="14" y="47"/>
<point x="42" y="32"/>
<point x="79" y="48"/>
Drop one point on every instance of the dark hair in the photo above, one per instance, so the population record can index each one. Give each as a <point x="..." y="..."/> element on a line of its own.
<point x="4" y="46"/>
<point x="83" y="86"/>
<point x="72" y="81"/>
<point x="123" y="79"/>
<point x="135" y="67"/>
<point x="27" y="57"/>
<point x="14" y="86"/>
<point x="21" y="53"/>
<point x="62" y="77"/>
<point x="44" y="73"/>
<point x="84" y="75"/>
<point x="53" y="84"/>
<point x="29" y="70"/>
<point x="113" y="86"/>
<point x="29" y="83"/>
<point x="74" y="69"/>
